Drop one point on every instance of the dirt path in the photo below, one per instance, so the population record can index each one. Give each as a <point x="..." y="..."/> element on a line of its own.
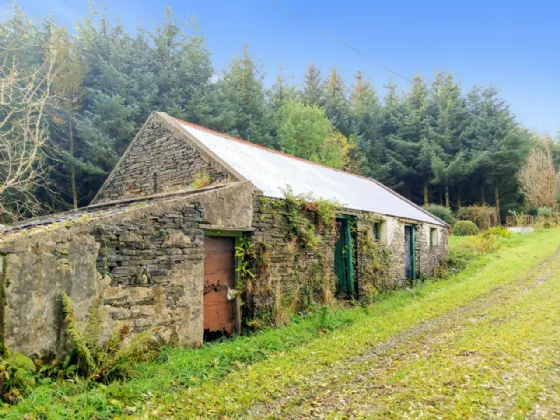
<point x="495" y="357"/>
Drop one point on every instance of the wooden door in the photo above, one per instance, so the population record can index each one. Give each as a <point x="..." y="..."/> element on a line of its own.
<point x="219" y="282"/>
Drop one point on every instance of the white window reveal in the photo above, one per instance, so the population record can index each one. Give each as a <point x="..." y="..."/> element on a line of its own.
<point x="434" y="237"/>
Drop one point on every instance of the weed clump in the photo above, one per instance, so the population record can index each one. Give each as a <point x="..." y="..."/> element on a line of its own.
<point x="499" y="231"/>
<point x="201" y="180"/>
<point x="545" y="217"/>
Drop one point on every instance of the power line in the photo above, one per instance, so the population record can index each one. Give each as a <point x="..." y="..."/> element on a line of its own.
<point x="338" y="40"/>
<point x="356" y="50"/>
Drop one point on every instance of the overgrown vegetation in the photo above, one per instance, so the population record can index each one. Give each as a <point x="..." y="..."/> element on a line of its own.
<point x="104" y="358"/>
<point x="309" y="249"/>
<point x="201" y="180"/>
<point x="375" y="273"/>
<point x="482" y="216"/>
<point x="17" y="376"/>
<point x="546" y="217"/>
<point x="195" y="374"/>
<point x="465" y="228"/>
<point x="444" y="213"/>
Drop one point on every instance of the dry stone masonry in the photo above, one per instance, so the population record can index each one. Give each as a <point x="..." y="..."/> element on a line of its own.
<point x="159" y="161"/>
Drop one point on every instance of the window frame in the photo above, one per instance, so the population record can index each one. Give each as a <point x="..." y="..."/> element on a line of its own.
<point x="434" y="234"/>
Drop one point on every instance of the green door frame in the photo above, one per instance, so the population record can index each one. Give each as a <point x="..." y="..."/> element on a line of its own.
<point x="412" y="251"/>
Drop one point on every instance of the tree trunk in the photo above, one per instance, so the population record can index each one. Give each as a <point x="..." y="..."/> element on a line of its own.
<point x="425" y="194"/>
<point x="482" y="193"/>
<point x="72" y="166"/>
<point x="497" y="201"/>
<point x="447" y="196"/>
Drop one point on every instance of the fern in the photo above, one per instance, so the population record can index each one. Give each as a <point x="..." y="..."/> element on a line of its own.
<point x="114" y="358"/>
<point x="94" y="324"/>
<point x="20" y="361"/>
<point x="77" y="336"/>
<point x="17" y="375"/>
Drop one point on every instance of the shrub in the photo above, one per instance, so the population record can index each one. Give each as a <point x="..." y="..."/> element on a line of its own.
<point x="499" y="231"/>
<point x="481" y="244"/>
<point x="441" y="212"/>
<point x="545" y="217"/>
<point x="483" y="216"/>
<point x="465" y="228"/>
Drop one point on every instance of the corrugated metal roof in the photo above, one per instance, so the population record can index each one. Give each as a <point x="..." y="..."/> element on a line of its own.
<point x="273" y="172"/>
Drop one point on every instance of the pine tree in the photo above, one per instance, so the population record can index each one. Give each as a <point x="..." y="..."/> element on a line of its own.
<point x="449" y="129"/>
<point x="241" y="99"/>
<point x="282" y="92"/>
<point x="182" y="68"/>
<point x="366" y="120"/>
<point x="313" y="93"/>
<point x="336" y="102"/>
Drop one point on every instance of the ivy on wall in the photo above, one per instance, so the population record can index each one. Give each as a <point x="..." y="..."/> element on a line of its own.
<point x="302" y="276"/>
<point x="375" y="262"/>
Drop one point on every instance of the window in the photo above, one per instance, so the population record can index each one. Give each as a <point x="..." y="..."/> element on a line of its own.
<point x="434" y="237"/>
<point x="379" y="231"/>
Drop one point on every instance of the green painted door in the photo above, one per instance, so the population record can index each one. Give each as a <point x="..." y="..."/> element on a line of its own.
<point x="409" y="253"/>
<point x="343" y="262"/>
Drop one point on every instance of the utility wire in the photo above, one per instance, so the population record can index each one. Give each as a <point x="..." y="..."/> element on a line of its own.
<point x="350" y="47"/>
<point x="338" y="40"/>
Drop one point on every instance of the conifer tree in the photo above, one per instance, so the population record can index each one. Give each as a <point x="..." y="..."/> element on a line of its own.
<point x="313" y="93"/>
<point x="365" y="121"/>
<point x="241" y="101"/>
<point x="336" y="102"/>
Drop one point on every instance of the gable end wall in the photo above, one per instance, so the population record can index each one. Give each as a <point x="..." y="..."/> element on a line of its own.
<point x="158" y="149"/>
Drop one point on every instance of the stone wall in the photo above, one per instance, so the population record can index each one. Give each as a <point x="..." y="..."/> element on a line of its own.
<point x="158" y="160"/>
<point x="429" y="256"/>
<point x="293" y="277"/>
<point x="147" y="264"/>
<point x="392" y="242"/>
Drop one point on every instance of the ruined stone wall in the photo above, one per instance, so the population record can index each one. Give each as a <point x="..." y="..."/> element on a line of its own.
<point x="147" y="266"/>
<point x="158" y="160"/>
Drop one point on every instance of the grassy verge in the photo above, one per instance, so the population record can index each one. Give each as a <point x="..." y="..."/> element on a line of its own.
<point x="497" y="357"/>
<point x="227" y="377"/>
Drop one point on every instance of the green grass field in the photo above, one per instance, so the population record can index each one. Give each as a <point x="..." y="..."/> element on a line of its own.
<point x="481" y="343"/>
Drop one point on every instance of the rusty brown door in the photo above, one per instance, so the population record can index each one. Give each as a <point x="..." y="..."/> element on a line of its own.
<point x="219" y="270"/>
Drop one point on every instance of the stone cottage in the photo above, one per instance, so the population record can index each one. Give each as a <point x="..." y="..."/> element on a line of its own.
<point x="198" y="234"/>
